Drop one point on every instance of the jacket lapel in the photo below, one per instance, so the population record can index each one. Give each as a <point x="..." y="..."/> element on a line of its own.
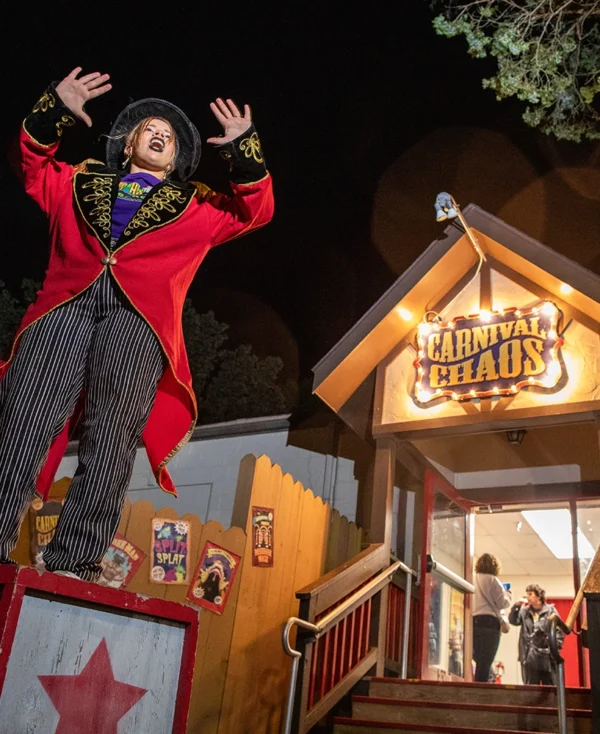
<point x="95" y="189"/>
<point x="95" y="192"/>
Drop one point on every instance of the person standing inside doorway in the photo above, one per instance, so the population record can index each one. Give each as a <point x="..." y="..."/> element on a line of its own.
<point x="532" y="614"/>
<point x="491" y="598"/>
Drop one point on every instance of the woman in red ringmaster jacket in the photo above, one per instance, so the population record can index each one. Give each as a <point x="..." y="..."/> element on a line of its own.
<point x="103" y="341"/>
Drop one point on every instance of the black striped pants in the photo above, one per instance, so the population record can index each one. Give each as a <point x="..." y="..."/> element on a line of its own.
<point x="97" y="343"/>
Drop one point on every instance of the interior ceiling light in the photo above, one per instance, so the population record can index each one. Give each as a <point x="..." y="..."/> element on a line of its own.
<point x="554" y="529"/>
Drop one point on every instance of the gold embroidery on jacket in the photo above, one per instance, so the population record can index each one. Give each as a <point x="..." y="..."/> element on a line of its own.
<point x="100" y="196"/>
<point x="157" y="202"/>
<point x="65" y="121"/>
<point x="250" y="147"/>
<point x="44" y="103"/>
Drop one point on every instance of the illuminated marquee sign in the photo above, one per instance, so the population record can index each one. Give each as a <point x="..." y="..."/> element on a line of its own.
<point x="493" y="353"/>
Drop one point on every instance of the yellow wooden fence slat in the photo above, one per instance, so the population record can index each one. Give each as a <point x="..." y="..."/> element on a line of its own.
<point x="214" y="639"/>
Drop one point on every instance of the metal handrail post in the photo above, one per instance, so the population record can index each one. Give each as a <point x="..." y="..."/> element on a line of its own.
<point x="561" y="697"/>
<point x="295" y="655"/>
<point x="406" y="625"/>
<point x="554" y="624"/>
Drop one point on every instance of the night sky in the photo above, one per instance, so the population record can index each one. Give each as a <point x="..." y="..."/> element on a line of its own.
<point x="364" y="116"/>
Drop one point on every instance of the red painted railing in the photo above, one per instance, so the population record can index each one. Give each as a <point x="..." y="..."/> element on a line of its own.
<point x="395" y="628"/>
<point x="341" y="634"/>
<point x="338" y="635"/>
<point x="338" y="651"/>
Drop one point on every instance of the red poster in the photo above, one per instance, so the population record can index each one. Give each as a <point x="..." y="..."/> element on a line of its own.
<point x="213" y="578"/>
<point x="262" y="536"/>
<point x="120" y="563"/>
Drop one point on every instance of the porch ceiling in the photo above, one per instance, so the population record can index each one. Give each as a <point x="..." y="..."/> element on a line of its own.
<point x="576" y="443"/>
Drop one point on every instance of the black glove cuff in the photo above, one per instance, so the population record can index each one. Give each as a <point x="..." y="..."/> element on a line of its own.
<point x="245" y="157"/>
<point x="48" y="118"/>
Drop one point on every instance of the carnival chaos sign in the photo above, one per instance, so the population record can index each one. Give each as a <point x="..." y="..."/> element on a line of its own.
<point x="493" y="353"/>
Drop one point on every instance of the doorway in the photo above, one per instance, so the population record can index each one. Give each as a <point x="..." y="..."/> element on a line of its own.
<point x="549" y="544"/>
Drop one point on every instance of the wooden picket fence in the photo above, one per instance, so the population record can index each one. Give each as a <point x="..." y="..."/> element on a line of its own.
<point x="241" y="672"/>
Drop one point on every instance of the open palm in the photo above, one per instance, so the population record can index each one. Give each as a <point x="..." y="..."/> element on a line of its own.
<point x="234" y="123"/>
<point x="76" y="92"/>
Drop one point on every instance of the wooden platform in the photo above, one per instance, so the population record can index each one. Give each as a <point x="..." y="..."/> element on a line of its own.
<point x="76" y="657"/>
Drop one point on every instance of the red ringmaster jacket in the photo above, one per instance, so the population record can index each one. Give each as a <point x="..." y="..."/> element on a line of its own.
<point x="154" y="261"/>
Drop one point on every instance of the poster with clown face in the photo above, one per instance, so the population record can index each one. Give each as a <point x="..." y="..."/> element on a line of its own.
<point x="213" y="578"/>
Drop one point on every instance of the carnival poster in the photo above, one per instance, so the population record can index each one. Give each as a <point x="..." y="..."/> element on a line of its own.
<point x="43" y="520"/>
<point x="170" y="551"/>
<point x="262" y="536"/>
<point x="213" y="578"/>
<point x="120" y="563"/>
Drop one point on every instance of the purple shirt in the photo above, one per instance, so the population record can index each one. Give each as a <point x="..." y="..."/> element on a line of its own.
<point x="133" y="189"/>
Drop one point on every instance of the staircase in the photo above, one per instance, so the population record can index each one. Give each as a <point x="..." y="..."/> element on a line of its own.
<point x="394" y="705"/>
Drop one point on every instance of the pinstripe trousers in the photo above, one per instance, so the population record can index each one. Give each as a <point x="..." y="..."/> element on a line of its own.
<point x="99" y="344"/>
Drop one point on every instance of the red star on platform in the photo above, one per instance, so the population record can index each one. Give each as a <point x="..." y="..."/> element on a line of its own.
<point x="93" y="700"/>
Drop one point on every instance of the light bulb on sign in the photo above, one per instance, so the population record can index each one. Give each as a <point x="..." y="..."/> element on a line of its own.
<point x="425" y="328"/>
<point x="548" y="308"/>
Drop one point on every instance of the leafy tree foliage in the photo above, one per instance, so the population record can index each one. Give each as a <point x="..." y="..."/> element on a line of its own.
<point x="244" y="386"/>
<point x="547" y="54"/>
<point x="12" y="310"/>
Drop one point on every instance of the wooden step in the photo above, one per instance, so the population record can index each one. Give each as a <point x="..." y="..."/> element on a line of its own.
<point x="426" y="690"/>
<point x="343" y="725"/>
<point x="474" y="715"/>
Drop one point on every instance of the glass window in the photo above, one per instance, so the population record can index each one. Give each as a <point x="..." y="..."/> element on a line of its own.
<point x="446" y="627"/>
<point x="449" y="533"/>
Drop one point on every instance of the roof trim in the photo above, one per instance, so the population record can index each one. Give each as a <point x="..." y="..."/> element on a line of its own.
<point x="578" y="277"/>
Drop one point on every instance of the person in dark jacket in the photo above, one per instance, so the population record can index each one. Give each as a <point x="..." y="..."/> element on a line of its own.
<point x="532" y="614"/>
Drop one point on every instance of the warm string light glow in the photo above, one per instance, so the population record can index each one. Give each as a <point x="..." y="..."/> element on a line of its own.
<point x="548" y="380"/>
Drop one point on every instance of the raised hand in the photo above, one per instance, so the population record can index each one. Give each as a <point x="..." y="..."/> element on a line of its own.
<point x="234" y="123"/>
<point x="76" y="92"/>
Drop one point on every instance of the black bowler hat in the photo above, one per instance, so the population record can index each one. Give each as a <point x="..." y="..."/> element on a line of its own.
<point x="188" y="137"/>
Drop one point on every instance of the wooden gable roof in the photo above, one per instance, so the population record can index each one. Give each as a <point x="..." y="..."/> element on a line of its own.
<point x="437" y="272"/>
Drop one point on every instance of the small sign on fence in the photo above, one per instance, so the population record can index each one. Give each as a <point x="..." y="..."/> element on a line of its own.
<point x="170" y="551"/>
<point x="213" y="578"/>
<point x="44" y="518"/>
<point x="262" y="536"/>
<point x="120" y="563"/>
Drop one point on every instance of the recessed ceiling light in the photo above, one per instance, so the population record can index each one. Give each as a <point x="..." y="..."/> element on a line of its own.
<point x="554" y="529"/>
<point x="565" y="289"/>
